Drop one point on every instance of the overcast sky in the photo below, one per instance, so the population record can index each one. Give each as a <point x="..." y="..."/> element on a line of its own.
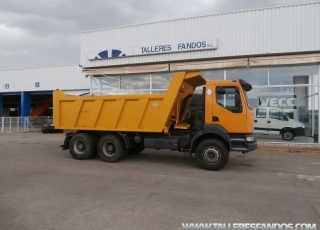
<point x="42" y="33"/>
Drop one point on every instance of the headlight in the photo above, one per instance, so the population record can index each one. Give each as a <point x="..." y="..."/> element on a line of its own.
<point x="300" y="124"/>
<point x="249" y="138"/>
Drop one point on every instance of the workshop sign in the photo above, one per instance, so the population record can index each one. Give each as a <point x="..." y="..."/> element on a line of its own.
<point x="154" y="49"/>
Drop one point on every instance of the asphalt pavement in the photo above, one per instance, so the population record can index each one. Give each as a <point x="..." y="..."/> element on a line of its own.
<point x="43" y="187"/>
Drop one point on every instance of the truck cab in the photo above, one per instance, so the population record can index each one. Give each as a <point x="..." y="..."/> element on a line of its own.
<point x="274" y="121"/>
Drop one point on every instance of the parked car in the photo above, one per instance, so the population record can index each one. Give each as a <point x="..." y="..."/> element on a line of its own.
<point x="47" y="126"/>
<point x="270" y="120"/>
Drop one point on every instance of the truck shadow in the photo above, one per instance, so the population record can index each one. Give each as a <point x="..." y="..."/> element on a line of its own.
<point x="180" y="159"/>
<point x="157" y="157"/>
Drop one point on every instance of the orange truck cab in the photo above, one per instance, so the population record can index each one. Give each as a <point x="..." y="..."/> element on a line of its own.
<point x="116" y="125"/>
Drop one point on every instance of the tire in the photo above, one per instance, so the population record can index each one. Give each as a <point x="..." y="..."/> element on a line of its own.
<point x="212" y="154"/>
<point x="82" y="146"/>
<point x="287" y="135"/>
<point x="111" y="148"/>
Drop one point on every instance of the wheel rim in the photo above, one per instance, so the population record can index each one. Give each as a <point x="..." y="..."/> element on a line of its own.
<point x="80" y="147"/>
<point x="211" y="155"/>
<point x="108" y="148"/>
<point x="288" y="135"/>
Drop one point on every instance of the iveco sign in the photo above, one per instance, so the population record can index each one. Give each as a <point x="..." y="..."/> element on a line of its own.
<point x="154" y="49"/>
<point x="281" y="101"/>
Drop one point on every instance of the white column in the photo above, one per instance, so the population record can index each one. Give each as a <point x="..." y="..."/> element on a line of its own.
<point x="318" y="102"/>
<point x="150" y="86"/>
<point x="90" y="84"/>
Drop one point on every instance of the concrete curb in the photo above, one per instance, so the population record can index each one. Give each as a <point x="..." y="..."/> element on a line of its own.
<point x="301" y="151"/>
<point x="304" y="148"/>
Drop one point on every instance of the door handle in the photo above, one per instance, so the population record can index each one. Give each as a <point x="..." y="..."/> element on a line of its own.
<point x="255" y="121"/>
<point x="214" y="118"/>
<point x="268" y="121"/>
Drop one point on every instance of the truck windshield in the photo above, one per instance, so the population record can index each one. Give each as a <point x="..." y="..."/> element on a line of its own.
<point x="247" y="99"/>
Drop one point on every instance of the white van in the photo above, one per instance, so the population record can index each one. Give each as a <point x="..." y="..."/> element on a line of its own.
<point x="270" y="120"/>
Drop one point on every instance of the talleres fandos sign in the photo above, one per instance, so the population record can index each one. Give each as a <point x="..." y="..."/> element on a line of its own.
<point x="154" y="49"/>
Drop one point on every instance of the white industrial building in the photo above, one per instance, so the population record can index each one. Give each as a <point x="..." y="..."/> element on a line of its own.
<point x="276" y="49"/>
<point x="28" y="92"/>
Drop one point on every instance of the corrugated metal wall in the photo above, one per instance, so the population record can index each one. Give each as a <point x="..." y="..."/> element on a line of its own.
<point x="287" y="29"/>
<point x="51" y="78"/>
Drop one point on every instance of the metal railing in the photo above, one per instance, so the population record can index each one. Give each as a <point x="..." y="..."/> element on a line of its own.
<point x="21" y="124"/>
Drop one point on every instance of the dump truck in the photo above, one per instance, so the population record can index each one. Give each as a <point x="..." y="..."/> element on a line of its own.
<point x="113" y="126"/>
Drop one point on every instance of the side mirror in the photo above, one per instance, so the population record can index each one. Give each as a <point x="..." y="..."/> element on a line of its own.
<point x="221" y="90"/>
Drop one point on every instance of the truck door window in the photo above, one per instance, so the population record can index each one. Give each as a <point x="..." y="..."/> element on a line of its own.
<point x="276" y="114"/>
<point x="229" y="98"/>
<point x="261" y="113"/>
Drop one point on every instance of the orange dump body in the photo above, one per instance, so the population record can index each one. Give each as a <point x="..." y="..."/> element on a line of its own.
<point x="131" y="113"/>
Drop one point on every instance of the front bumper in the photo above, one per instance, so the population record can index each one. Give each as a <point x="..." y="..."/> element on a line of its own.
<point x="299" y="131"/>
<point x="252" y="145"/>
<point x="241" y="144"/>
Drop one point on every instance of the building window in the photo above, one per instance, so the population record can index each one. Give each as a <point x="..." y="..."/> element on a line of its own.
<point x="255" y="76"/>
<point x="290" y="75"/>
<point x="104" y="84"/>
<point x="130" y="84"/>
<point x="160" y="82"/>
<point x="135" y="84"/>
<point x="214" y="74"/>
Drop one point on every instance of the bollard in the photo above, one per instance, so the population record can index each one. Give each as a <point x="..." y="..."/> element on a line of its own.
<point x="315" y="138"/>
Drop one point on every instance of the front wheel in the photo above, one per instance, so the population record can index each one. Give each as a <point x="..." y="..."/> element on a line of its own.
<point x="82" y="146"/>
<point x="287" y="135"/>
<point x="212" y="154"/>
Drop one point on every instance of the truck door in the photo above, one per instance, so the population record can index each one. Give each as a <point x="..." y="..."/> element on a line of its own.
<point x="228" y="109"/>
<point x="260" y="120"/>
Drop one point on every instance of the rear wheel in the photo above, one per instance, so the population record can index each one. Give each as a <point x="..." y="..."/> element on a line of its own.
<point x="287" y="135"/>
<point x="82" y="146"/>
<point x="111" y="148"/>
<point x="212" y="154"/>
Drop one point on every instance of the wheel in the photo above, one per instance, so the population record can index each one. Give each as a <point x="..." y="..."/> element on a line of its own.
<point x="212" y="154"/>
<point x="111" y="148"/>
<point x="82" y="146"/>
<point x="138" y="148"/>
<point x="287" y="135"/>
